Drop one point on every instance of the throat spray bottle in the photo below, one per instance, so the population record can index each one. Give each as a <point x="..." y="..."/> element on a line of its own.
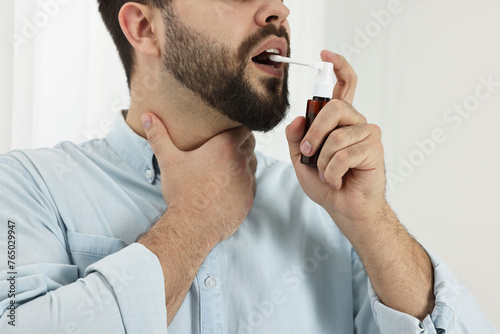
<point x="322" y="93"/>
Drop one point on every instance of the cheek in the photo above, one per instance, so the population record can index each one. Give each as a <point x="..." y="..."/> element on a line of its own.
<point x="230" y="22"/>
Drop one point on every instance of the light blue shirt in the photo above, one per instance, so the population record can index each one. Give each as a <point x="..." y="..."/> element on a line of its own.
<point x="76" y="211"/>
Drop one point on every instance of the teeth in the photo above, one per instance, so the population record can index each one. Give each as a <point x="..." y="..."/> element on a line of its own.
<point x="275" y="51"/>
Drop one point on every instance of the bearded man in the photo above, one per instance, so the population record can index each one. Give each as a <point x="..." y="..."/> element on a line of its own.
<point x="174" y="220"/>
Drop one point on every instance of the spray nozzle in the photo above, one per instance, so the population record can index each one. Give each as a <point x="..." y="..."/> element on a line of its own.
<point x="323" y="86"/>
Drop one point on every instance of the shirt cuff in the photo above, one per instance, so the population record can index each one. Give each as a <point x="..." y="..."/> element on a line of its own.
<point x="136" y="276"/>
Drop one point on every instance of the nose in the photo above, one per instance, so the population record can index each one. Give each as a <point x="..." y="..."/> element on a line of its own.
<point x="272" y="11"/>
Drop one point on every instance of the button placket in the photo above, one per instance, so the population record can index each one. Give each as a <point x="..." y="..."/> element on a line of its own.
<point x="210" y="286"/>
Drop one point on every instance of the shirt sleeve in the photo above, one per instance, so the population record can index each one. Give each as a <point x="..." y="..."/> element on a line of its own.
<point x="455" y="309"/>
<point x="122" y="293"/>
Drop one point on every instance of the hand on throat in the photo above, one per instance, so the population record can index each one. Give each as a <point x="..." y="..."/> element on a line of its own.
<point x="189" y="121"/>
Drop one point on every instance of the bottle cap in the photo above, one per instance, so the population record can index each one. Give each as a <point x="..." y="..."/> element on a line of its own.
<point x="323" y="86"/>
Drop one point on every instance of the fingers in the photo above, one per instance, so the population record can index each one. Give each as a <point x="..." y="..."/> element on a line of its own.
<point x="361" y="156"/>
<point x="337" y="113"/>
<point x="294" y="133"/>
<point x="344" y="137"/>
<point x="158" y="136"/>
<point x="253" y="162"/>
<point x="341" y="163"/>
<point x="248" y="147"/>
<point x="347" y="79"/>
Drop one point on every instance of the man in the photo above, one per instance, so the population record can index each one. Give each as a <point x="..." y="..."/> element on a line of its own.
<point x="191" y="228"/>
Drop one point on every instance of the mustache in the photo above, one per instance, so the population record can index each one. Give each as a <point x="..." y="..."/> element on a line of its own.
<point x="257" y="38"/>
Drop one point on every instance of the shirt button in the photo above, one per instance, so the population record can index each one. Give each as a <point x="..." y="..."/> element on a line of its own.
<point x="149" y="174"/>
<point x="210" y="282"/>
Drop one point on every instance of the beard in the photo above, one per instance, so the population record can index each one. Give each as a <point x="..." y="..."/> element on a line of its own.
<point x="217" y="74"/>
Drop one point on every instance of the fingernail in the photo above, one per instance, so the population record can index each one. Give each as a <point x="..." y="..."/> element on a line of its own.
<point x="322" y="178"/>
<point x="306" y="148"/>
<point x="147" y="121"/>
<point x="332" y="54"/>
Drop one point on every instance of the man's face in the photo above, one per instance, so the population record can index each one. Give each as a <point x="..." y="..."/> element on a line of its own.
<point x="218" y="67"/>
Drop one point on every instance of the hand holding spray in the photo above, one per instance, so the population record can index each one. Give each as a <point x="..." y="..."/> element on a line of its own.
<point x="322" y="93"/>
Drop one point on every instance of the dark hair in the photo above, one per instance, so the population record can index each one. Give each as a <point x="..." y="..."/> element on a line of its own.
<point x="109" y="10"/>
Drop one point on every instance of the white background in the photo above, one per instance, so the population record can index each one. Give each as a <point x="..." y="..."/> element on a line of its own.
<point x="63" y="81"/>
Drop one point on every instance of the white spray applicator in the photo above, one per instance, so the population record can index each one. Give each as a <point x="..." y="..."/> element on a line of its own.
<point x="322" y="92"/>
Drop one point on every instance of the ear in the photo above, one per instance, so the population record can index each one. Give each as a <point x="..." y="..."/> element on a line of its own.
<point x="137" y="23"/>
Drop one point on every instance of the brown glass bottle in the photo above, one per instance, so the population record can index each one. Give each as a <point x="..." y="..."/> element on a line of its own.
<point x="314" y="106"/>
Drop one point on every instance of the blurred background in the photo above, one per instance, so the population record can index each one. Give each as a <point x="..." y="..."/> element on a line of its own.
<point x="429" y="75"/>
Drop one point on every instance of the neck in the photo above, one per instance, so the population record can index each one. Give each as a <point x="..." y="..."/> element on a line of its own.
<point x="189" y="121"/>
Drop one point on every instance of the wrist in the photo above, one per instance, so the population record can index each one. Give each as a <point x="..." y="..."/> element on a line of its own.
<point x="358" y="225"/>
<point x="178" y="233"/>
<point x="382" y="227"/>
<point x="383" y="240"/>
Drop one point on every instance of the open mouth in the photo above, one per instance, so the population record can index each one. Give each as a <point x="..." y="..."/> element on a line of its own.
<point x="263" y="58"/>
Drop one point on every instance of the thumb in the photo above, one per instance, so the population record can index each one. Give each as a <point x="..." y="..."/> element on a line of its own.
<point x="294" y="135"/>
<point x="157" y="134"/>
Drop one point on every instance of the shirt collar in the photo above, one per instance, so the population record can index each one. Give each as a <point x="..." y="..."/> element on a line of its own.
<point x="132" y="148"/>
